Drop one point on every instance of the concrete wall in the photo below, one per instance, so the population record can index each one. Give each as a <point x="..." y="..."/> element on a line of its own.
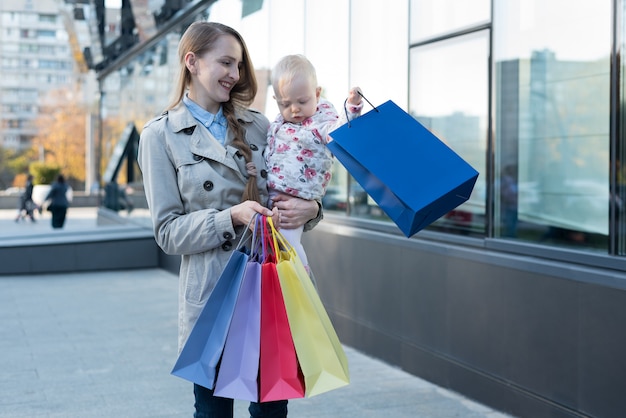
<point x="124" y="244"/>
<point x="531" y="337"/>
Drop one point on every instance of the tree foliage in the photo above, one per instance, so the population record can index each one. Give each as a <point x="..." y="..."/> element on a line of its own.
<point x="62" y="133"/>
<point x="14" y="167"/>
<point x="44" y="173"/>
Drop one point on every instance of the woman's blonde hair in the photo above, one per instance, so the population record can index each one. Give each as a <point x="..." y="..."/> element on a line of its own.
<point x="199" y="38"/>
<point x="291" y="66"/>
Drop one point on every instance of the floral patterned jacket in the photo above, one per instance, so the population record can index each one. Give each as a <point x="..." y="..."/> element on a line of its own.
<point x="298" y="161"/>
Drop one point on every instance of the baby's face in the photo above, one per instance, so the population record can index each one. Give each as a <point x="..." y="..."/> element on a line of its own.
<point x="297" y="99"/>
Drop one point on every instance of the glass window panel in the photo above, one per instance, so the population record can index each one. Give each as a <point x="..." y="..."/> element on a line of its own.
<point x="620" y="164"/>
<point x="431" y="18"/>
<point x="552" y="83"/>
<point x="449" y="95"/>
<point x="137" y="92"/>
<point x="382" y="77"/>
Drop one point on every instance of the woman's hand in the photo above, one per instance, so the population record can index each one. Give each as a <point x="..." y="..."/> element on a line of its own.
<point x="294" y="212"/>
<point x="243" y="213"/>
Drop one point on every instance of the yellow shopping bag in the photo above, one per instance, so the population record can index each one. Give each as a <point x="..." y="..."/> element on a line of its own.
<point x="320" y="354"/>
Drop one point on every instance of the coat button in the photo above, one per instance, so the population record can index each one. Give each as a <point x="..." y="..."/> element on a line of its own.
<point x="264" y="173"/>
<point x="227" y="235"/>
<point x="189" y="131"/>
<point x="208" y="185"/>
<point x="239" y="154"/>
<point x="197" y="157"/>
<point x="254" y="147"/>
<point x="227" y="246"/>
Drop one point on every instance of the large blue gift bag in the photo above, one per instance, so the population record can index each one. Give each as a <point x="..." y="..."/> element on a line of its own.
<point x="412" y="175"/>
<point x="199" y="359"/>
<point x="238" y="374"/>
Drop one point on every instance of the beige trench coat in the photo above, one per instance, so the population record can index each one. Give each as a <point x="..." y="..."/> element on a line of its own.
<point x="191" y="182"/>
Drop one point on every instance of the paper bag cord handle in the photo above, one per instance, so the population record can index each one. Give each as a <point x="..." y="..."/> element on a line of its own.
<point x="272" y="233"/>
<point x="246" y="232"/>
<point x="257" y="248"/>
<point x="345" y="106"/>
<point x="283" y="247"/>
<point x="269" y="248"/>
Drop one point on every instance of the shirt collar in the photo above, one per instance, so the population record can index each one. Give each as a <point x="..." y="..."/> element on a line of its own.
<point x="202" y="115"/>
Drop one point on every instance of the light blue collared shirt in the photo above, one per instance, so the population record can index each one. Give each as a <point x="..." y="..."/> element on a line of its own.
<point x="216" y="124"/>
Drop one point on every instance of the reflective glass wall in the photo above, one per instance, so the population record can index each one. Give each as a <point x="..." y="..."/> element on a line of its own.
<point x="551" y="121"/>
<point x="618" y="190"/>
<point x="137" y="91"/>
<point x="521" y="89"/>
<point x="449" y="95"/>
<point x="528" y="105"/>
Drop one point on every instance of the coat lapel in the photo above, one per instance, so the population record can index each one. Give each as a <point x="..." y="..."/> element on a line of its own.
<point x="201" y="141"/>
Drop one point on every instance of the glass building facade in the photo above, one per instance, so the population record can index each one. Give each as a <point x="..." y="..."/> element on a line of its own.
<point x="534" y="109"/>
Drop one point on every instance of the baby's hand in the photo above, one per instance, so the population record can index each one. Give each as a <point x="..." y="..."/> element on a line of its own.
<point x="354" y="98"/>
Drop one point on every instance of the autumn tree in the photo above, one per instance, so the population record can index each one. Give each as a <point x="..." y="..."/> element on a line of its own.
<point x="61" y="133"/>
<point x="14" y="166"/>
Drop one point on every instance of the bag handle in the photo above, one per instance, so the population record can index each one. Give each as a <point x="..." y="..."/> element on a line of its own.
<point x="246" y="232"/>
<point x="345" y="106"/>
<point x="279" y="238"/>
<point x="270" y="252"/>
<point x="257" y="250"/>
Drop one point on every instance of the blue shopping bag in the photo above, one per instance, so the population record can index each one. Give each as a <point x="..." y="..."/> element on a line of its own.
<point x="199" y="358"/>
<point x="412" y="175"/>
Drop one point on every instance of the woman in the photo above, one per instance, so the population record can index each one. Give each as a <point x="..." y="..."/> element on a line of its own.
<point x="58" y="201"/>
<point x="205" y="179"/>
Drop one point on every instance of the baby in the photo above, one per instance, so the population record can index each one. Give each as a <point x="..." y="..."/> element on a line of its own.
<point x="298" y="161"/>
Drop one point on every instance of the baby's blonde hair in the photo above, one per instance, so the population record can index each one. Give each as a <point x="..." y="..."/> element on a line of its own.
<point x="291" y="66"/>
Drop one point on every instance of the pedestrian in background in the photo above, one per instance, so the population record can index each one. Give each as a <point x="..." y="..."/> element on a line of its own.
<point x="27" y="206"/>
<point x="58" y="201"/>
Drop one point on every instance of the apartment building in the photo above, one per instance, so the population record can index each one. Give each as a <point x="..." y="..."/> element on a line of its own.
<point x="36" y="57"/>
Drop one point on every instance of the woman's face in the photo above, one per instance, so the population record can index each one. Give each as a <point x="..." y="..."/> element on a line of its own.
<point x="214" y="73"/>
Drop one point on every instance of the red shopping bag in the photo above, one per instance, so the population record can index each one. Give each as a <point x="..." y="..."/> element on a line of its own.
<point x="280" y="376"/>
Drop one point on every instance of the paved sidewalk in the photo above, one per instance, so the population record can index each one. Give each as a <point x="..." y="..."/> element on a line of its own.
<point x="102" y="345"/>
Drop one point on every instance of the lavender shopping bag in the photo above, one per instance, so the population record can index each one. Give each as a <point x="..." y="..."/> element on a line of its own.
<point x="412" y="175"/>
<point x="237" y="377"/>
